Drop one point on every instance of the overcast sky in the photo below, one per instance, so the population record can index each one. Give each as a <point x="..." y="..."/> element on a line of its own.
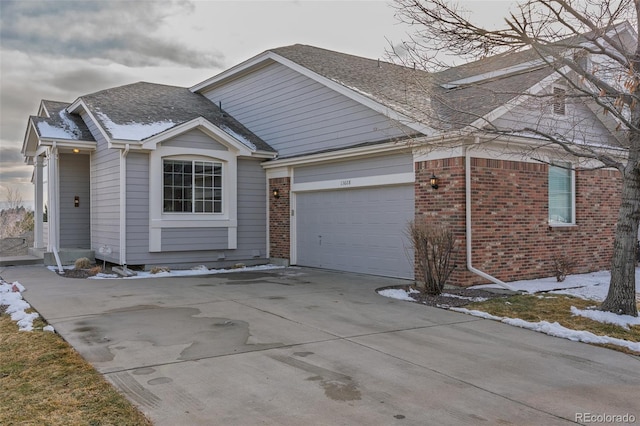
<point x="61" y="49"/>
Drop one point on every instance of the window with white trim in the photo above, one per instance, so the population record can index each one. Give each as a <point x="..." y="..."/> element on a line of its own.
<point x="191" y="186"/>
<point x="561" y="194"/>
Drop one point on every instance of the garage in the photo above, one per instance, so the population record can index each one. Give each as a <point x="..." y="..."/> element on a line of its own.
<point x="356" y="230"/>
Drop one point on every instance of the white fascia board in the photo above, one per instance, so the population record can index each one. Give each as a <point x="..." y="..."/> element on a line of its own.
<point x="338" y="155"/>
<point x="258" y="61"/>
<point x="530" y="65"/>
<point x="66" y="143"/>
<point x="79" y="105"/>
<point x="28" y="150"/>
<point x="42" y="109"/>
<point x="268" y="57"/>
<point x="207" y="127"/>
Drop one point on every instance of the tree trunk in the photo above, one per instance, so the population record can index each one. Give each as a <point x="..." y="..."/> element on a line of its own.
<point x="622" y="287"/>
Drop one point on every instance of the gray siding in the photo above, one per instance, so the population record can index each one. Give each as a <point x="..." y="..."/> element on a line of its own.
<point x="195" y="139"/>
<point x="579" y="123"/>
<point x="297" y="115"/>
<point x="187" y="247"/>
<point x="194" y="239"/>
<point x="384" y="165"/>
<point x="105" y="195"/>
<point x="252" y="208"/>
<point x="74" y="221"/>
<point x="137" y="207"/>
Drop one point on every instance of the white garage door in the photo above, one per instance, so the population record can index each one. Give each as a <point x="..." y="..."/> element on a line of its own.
<point x="356" y="230"/>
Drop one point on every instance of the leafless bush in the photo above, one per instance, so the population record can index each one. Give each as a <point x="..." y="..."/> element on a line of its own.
<point x="433" y="246"/>
<point x="562" y="267"/>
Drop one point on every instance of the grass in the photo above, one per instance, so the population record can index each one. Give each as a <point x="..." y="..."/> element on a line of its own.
<point x="556" y="308"/>
<point x="44" y="381"/>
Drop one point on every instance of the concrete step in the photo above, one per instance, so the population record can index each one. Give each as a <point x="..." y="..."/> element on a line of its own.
<point x="69" y="256"/>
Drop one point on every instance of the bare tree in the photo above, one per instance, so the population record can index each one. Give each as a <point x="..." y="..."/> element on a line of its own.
<point x="592" y="47"/>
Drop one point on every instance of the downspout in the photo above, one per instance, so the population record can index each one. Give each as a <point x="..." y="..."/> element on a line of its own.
<point x="123" y="206"/>
<point x="54" y="222"/>
<point x="467" y="173"/>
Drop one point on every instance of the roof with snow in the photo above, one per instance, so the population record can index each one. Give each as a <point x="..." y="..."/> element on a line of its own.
<point x="423" y="96"/>
<point x="60" y="124"/>
<point x="141" y="110"/>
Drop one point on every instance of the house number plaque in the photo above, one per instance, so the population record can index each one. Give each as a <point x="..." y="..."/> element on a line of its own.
<point x="345" y="182"/>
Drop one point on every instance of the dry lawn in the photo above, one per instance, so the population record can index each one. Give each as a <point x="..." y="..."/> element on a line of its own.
<point x="556" y="308"/>
<point x="43" y="381"/>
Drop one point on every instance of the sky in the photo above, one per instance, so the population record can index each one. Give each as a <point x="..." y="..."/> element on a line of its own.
<point x="62" y="49"/>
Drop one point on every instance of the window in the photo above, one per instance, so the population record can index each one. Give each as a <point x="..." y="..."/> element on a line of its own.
<point x="192" y="186"/>
<point x="559" y="100"/>
<point x="561" y="194"/>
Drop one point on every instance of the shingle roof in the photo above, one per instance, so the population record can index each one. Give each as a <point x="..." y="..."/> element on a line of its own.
<point x="60" y="124"/>
<point x="419" y="94"/>
<point x="147" y="103"/>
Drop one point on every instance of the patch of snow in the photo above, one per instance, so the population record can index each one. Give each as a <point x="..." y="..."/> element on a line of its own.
<point x="134" y="131"/>
<point x="48" y="131"/>
<point x="100" y="275"/>
<point x="11" y="297"/>
<point x="591" y="286"/>
<point x="396" y="293"/>
<point x="69" y="129"/>
<point x="239" y="137"/>
<point x="189" y="272"/>
<point x="48" y="328"/>
<point x="556" y="330"/>
<point x="623" y="321"/>
<point x="473" y="299"/>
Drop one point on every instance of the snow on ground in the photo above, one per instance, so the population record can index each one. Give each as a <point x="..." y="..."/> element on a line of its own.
<point x="396" y="293"/>
<point x="197" y="270"/>
<point x="592" y="286"/>
<point x="16" y="306"/>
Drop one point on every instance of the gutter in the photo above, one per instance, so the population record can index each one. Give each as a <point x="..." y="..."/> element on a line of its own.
<point x="123" y="206"/>
<point x="467" y="173"/>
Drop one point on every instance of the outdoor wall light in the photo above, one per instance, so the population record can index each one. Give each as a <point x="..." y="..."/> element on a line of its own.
<point x="275" y="192"/>
<point x="434" y="181"/>
<point x="76" y="201"/>
<point x="76" y="150"/>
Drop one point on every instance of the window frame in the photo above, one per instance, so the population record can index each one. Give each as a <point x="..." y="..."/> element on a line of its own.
<point x="193" y="186"/>
<point x="159" y="220"/>
<point x="568" y="167"/>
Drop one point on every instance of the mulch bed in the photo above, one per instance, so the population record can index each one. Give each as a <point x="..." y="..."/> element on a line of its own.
<point x="448" y="300"/>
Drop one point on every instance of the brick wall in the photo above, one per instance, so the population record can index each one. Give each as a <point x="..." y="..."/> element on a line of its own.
<point x="279" y="219"/>
<point x="511" y="236"/>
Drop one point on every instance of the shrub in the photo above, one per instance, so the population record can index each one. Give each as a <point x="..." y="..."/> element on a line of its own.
<point x="95" y="271"/>
<point x="433" y="246"/>
<point x="562" y="267"/>
<point x="83" y="263"/>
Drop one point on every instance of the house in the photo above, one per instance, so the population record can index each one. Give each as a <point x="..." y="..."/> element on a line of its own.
<point x="311" y="157"/>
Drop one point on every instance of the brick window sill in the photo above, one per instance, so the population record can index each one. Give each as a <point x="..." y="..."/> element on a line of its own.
<point x="563" y="227"/>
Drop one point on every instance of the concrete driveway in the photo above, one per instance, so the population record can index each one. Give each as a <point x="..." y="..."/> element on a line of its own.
<point x="302" y="346"/>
